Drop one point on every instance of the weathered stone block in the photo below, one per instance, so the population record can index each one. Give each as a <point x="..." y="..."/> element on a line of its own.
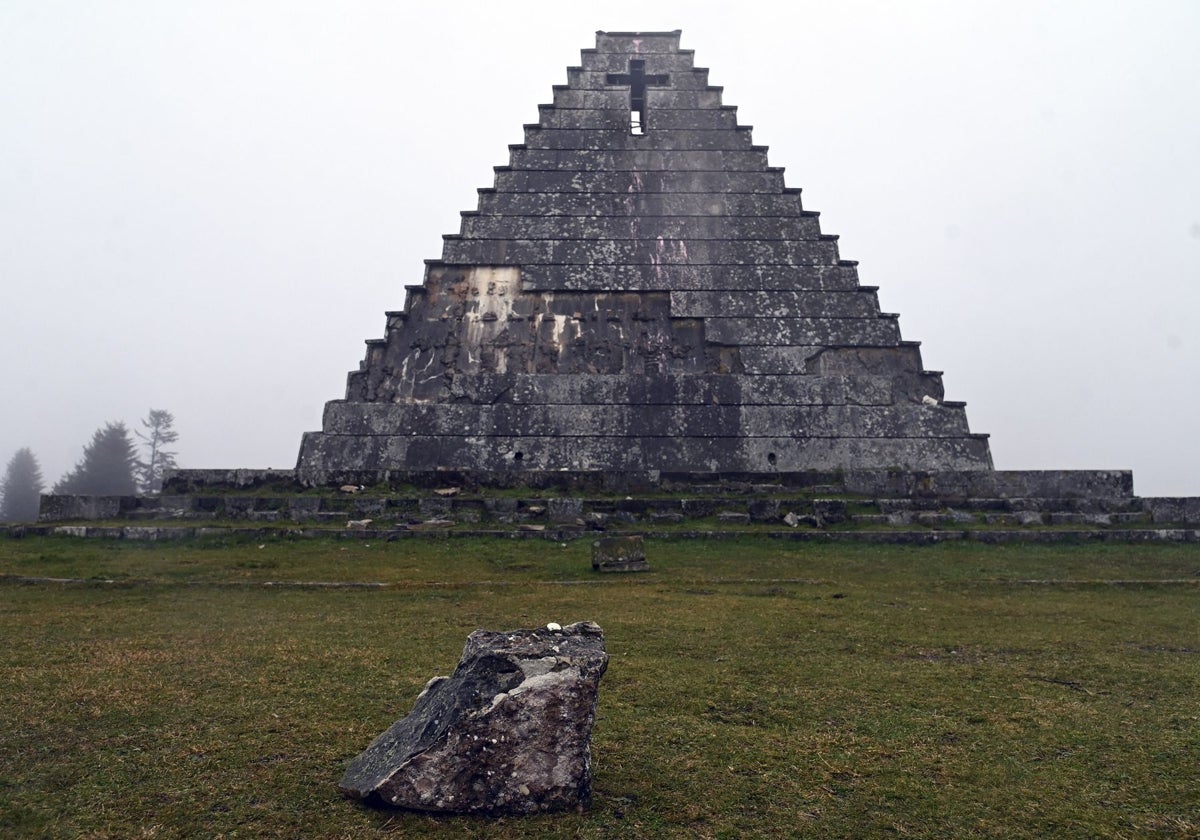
<point x="641" y="160"/>
<point x="619" y="554"/>
<point x="561" y="251"/>
<point x="500" y="226"/>
<point x="695" y="78"/>
<point x="508" y="733"/>
<point x="500" y="506"/>
<point x="1068" y="518"/>
<point x="304" y="507"/>
<point x="804" y="331"/>
<point x="645" y="205"/>
<point x="633" y="277"/>
<point x="1180" y="509"/>
<point x="596" y="519"/>
<point x="699" y="508"/>
<point x="369" y="506"/>
<point x="564" y="510"/>
<point x="431" y="506"/>
<point x="57" y="508"/>
<point x="239" y="507"/>
<point x="860" y="303"/>
<point x="764" y="510"/>
<point x="829" y="511"/>
<point x="187" y="481"/>
<point x="537" y="137"/>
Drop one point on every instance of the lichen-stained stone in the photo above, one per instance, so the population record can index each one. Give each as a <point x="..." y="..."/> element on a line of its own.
<point x="732" y="279"/>
<point x="514" y="225"/>
<point x="638" y="293"/>
<point x="620" y="554"/>
<point x="656" y="250"/>
<point x="692" y="119"/>
<point x="638" y="160"/>
<point x="629" y="182"/>
<point x="628" y="207"/>
<point x="859" y="303"/>
<point x="508" y="733"/>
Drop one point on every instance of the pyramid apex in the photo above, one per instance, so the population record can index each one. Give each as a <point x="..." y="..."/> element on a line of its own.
<point x="660" y="34"/>
<point x="639" y="42"/>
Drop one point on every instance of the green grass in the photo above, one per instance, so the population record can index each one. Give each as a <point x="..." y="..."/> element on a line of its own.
<point x="756" y="688"/>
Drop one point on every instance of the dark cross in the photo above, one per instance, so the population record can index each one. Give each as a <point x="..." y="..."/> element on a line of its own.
<point x="637" y="80"/>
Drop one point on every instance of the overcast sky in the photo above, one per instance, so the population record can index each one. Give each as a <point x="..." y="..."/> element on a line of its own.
<point x="208" y="206"/>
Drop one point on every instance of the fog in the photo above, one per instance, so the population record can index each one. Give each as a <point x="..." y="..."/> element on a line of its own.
<point x="208" y="207"/>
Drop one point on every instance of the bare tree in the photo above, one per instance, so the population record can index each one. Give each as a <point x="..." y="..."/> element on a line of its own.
<point x="158" y="435"/>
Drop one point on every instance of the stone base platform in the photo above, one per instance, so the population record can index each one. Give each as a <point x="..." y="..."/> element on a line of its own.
<point x="892" y="536"/>
<point x="945" y="485"/>
<point x="843" y="505"/>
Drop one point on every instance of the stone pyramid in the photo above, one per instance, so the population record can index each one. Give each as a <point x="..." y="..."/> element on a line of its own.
<point x="640" y="294"/>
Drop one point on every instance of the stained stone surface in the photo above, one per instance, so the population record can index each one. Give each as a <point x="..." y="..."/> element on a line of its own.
<point x="620" y="554"/>
<point x="508" y="733"/>
<point x="640" y="292"/>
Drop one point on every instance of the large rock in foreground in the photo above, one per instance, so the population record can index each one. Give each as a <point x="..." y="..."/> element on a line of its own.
<point x="508" y="733"/>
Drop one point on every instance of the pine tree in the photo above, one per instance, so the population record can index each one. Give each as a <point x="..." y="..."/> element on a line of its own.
<point x="107" y="468"/>
<point x="21" y="489"/>
<point x="158" y="435"/>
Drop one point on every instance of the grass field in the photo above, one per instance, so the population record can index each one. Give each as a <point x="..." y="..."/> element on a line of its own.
<point x="755" y="689"/>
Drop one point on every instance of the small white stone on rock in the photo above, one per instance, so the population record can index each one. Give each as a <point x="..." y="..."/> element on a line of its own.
<point x="553" y="626"/>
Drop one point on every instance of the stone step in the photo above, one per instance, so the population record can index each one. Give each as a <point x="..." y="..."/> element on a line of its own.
<point x="687" y="119"/>
<point x="669" y="277"/>
<point x="926" y="536"/>
<point x="758" y="504"/>
<point x="1078" y="487"/>
<point x="651" y="228"/>
<point x="631" y="183"/>
<point x="617" y="99"/>
<point x="580" y="78"/>
<point x="613" y="59"/>
<point x="638" y="205"/>
<point x="484" y="454"/>
<point x="586" y="252"/>
<point x="641" y="160"/>
<point x="857" y="303"/>
<point x="643" y="421"/>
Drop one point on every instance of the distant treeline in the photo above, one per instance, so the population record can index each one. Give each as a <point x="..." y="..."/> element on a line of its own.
<point x="111" y="466"/>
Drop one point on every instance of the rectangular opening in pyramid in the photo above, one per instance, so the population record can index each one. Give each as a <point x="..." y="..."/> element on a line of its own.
<point x="637" y="80"/>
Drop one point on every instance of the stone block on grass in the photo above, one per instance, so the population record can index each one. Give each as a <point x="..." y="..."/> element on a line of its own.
<point x="508" y="733"/>
<point x="619" y="554"/>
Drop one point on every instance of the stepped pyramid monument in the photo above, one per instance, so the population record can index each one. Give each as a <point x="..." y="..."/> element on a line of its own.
<point x="640" y="323"/>
<point x="640" y="294"/>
